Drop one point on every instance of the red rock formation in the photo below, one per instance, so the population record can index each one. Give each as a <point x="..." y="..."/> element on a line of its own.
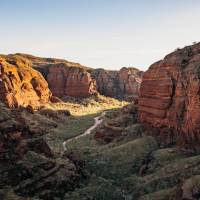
<point x="129" y="81"/>
<point x="64" y="78"/>
<point x="123" y="84"/>
<point x="170" y="95"/>
<point x="70" y="81"/>
<point x="20" y="85"/>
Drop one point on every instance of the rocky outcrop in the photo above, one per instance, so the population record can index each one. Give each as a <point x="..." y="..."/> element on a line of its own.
<point x="21" y="85"/>
<point x="80" y="82"/>
<point x="18" y="134"/>
<point x="71" y="81"/>
<point x="115" y="128"/>
<point x="27" y="163"/>
<point x="123" y="84"/>
<point x="170" y="96"/>
<point x="65" y="78"/>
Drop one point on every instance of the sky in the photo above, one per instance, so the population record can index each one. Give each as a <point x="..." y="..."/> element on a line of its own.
<point x="99" y="33"/>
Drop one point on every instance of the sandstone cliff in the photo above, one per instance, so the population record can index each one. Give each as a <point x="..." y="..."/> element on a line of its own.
<point x="76" y="80"/>
<point x="21" y="85"/>
<point x="123" y="84"/>
<point x="67" y="78"/>
<point x="170" y="96"/>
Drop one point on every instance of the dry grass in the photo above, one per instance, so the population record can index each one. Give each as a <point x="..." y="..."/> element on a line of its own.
<point x="88" y="106"/>
<point x="83" y="112"/>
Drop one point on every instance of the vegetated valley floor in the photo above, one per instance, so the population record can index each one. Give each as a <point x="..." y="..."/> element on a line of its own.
<point x="119" y="161"/>
<point x="131" y="165"/>
<point x="82" y="117"/>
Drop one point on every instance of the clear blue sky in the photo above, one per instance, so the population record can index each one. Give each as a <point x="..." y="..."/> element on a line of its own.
<point x="99" y="33"/>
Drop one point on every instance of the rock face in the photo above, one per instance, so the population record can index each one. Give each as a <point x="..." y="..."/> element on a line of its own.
<point x="79" y="81"/>
<point x="27" y="163"/>
<point x="170" y="95"/>
<point x="72" y="81"/>
<point x="123" y="84"/>
<point x="21" y="85"/>
<point x="65" y="78"/>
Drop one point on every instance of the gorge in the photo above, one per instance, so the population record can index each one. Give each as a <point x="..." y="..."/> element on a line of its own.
<point x="126" y="134"/>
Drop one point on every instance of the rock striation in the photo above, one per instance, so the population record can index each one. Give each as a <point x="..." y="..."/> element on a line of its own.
<point x="76" y="80"/>
<point x="123" y="84"/>
<point x="20" y="84"/>
<point x="170" y="96"/>
<point x="65" y="80"/>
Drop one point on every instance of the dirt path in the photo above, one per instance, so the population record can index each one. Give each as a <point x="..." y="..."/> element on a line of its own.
<point x="98" y="120"/>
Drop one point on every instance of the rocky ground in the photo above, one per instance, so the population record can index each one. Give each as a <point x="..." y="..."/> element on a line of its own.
<point x="32" y="162"/>
<point x="28" y="166"/>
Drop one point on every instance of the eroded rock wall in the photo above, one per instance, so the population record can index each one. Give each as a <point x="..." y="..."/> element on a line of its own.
<point x="123" y="84"/>
<point x="70" y="81"/>
<point x="170" y="95"/>
<point x="20" y="84"/>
